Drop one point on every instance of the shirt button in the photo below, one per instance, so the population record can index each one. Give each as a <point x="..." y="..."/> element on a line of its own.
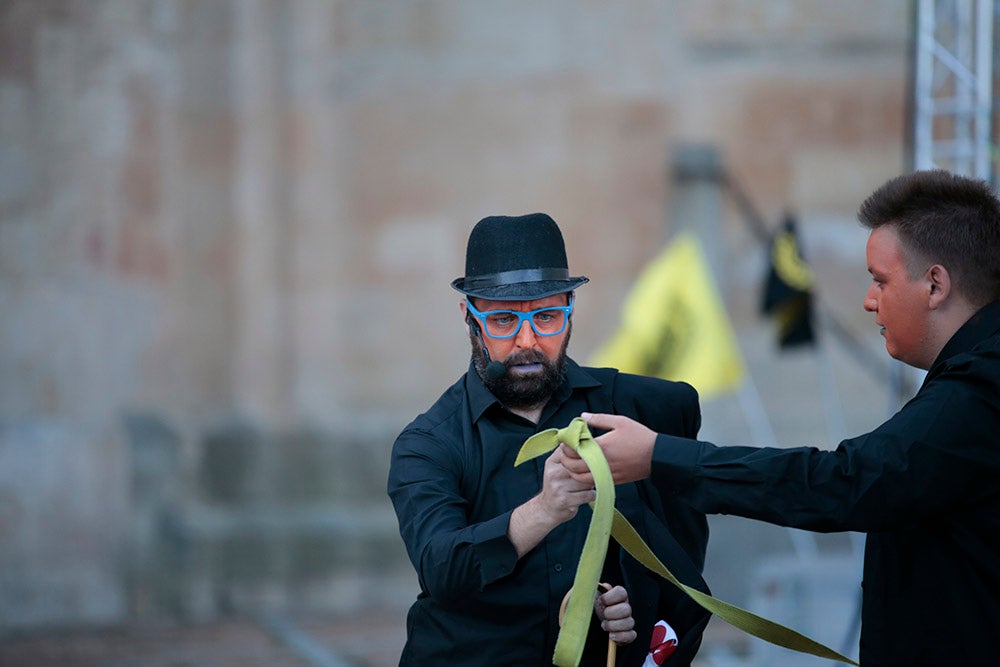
<point x="557" y="567"/>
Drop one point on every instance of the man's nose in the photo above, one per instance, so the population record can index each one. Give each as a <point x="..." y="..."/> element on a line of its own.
<point x="870" y="303"/>
<point x="525" y="335"/>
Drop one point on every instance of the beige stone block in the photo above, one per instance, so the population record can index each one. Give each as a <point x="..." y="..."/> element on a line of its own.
<point x="777" y="24"/>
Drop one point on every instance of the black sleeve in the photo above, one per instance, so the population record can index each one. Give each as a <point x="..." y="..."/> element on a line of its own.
<point x="935" y="455"/>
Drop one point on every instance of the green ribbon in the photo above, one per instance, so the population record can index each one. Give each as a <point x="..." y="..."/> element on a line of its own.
<point x="573" y="634"/>
<point x="609" y="522"/>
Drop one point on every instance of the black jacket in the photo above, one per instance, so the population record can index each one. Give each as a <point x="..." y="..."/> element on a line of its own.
<point x="453" y="484"/>
<point x="924" y="486"/>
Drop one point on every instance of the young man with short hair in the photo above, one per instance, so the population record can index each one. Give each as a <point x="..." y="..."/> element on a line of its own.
<point x="925" y="485"/>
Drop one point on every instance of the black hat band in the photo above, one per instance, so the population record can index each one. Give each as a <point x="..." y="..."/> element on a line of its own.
<point x="512" y="277"/>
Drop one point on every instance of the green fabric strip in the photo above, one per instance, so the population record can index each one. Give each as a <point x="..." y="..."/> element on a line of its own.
<point x="606" y="519"/>
<point x="758" y="626"/>
<point x="573" y="634"/>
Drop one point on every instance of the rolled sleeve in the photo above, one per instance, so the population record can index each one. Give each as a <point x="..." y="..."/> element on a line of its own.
<point x="494" y="552"/>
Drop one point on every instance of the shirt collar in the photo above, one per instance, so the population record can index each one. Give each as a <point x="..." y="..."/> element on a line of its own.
<point x="983" y="324"/>
<point x="481" y="399"/>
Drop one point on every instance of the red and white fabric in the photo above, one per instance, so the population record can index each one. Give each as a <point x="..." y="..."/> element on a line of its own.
<point x="662" y="645"/>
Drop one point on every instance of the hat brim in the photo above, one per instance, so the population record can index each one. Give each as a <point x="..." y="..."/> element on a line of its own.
<point x="521" y="291"/>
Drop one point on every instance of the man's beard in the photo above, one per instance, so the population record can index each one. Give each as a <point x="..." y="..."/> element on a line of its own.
<point x="522" y="391"/>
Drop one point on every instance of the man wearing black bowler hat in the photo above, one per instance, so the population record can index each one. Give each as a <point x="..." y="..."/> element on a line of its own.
<point x="496" y="547"/>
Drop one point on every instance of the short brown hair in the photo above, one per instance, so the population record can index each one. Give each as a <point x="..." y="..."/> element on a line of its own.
<point x="945" y="219"/>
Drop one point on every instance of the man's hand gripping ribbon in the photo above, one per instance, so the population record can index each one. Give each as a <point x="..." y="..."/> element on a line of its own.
<point x="608" y="521"/>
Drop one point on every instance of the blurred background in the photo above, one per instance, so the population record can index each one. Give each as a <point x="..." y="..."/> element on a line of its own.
<point x="227" y="232"/>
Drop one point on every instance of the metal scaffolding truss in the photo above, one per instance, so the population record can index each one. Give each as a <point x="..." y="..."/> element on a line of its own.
<point x="953" y="87"/>
<point x="953" y="113"/>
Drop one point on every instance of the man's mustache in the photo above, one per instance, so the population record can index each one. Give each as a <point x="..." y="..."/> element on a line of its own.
<point x="525" y="357"/>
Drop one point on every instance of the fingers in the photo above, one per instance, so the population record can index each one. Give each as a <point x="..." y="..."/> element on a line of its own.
<point x="555" y="465"/>
<point x="623" y="636"/>
<point x="568" y="453"/>
<point x="574" y="464"/>
<point x="577" y="498"/>
<point x="614" y="596"/>
<point x="616" y="614"/>
<point x="601" y="421"/>
<point x="563" y="505"/>
<point x="627" y="446"/>
<point x="561" y="494"/>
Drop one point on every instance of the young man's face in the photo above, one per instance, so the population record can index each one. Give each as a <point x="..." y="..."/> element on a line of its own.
<point x="534" y="363"/>
<point x="900" y="303"/>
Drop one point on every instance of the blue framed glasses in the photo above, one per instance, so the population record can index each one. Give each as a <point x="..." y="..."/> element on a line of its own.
<point x="548" y="321"/>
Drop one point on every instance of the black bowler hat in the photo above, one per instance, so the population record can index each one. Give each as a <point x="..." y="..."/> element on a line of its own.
<point x="516" y="258"/>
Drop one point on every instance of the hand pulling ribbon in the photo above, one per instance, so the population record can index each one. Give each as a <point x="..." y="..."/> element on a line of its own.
<point x="608" y="521"/>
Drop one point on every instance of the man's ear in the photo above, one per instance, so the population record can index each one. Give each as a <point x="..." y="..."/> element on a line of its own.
<point x="465" y="318"/>
<point x="939" y="284"/>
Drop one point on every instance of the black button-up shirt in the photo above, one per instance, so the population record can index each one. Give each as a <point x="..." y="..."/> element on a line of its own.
<point x="925" y="486"/>
<point x="453" y="484"/>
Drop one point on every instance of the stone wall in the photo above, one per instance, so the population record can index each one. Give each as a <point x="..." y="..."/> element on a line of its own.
<point x="227" y="230"/>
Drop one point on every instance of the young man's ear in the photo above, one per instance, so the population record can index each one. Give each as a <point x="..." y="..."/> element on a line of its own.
<point x="939" y="284"/>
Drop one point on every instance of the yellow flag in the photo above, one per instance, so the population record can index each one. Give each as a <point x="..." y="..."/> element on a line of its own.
<point x="674" y="325"/>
